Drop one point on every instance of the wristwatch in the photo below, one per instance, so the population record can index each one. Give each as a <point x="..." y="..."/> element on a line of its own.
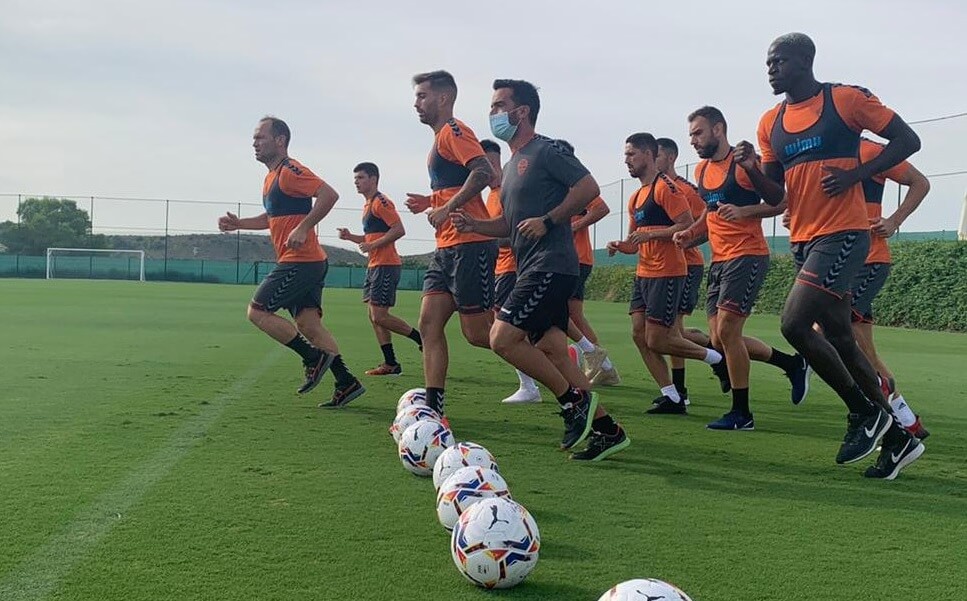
<point x="548" y="222"/>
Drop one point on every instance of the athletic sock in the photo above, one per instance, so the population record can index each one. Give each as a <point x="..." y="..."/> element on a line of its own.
<point x="607" y="364"/>
<point x="782" y="360"/>
<point x="572" y="395"/>
<point x="526" y="382"/>
<point x="434" y="398"/>
<point x="857" y="401"/>
<point x="678" y="379"/>
<point x="300" y="345"/>
<point x="389" y="356"/>
<point x="585" y="345"/>
<point x="740" y="401"/>
<point x="604" y="425"/>
<point x="712" y="356"/>
<point x="902" y="412"/>
<point x="671" y="393"/>
<point x="414" y="335"/>
<point x="341" y="373"/>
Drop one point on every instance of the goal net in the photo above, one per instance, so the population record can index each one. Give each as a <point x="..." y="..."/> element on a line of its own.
<point x="95" y="263"/>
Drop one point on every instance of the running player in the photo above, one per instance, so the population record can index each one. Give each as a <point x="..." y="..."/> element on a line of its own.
<point x="732" y="223"/>
<point x="656" y="211"/>
<point x="810" y="141"/>
<point x="296" y="282"/>
<point x="460" y="277"/>
<point x="382" y="227"/>
<point x="544" y="185"/>
<point x="505" y="272"/>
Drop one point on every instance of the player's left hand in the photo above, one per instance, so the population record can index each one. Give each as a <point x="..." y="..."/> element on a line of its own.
<point x="365" y="247"/>
<point x="838" y="180"/>
<point x="464" y="222"/>
<point x="437" y="217"/>
<point x="297" y="238"/>
<point x="884" y="227"/>
<point x="637" y="238"/>
<point x="532" y="228"/>
<point x="417" y="203"/>
<point x="744" y="155"/>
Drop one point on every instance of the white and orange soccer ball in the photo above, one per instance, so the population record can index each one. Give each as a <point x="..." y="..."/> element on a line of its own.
<point x="462" y="454"/>
<point x="463" y="489"/>
<point x="422" y="444"/>
<point x="409" y="416"/>
<point x="644" y="589"/>
<point x="413" y="396"/>
<point x="495" y="543"/>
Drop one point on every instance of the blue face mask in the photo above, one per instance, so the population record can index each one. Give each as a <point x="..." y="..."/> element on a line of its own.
<point x="501" y="126"/>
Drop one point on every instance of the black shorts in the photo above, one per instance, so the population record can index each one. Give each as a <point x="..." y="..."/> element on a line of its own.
<point x="379" y="288"/>
<point x="657" y="298"/>
<point x="539" y="303"/>
<point x="583" y="274"/>
<point x="734" y="285"/>
<point x="466" y="272"/>
<point x="831" y="263"/>
<point x="867" y="285"/>
<point x="693" y="281"/>
<point x="503" y="286"/>
<point x="292" y="286"/>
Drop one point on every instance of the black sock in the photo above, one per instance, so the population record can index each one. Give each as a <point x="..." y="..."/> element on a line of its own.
<point x="678" y="379"/>
<point x="570" y="396"/>
<point x="341" y="373"/>
<point x="782" y="360"/>
<point x="605" y="425"/>
<point x="414" y="335"/>
<point x="389" y="357"/>
<point x="857" y="401"/>
<point x="740" y="401"/>
<point x="299" y="344"/>
<point x="434" y="398"/>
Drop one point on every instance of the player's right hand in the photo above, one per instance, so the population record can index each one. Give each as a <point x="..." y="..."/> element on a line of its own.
<point x="613" y="247"/>
<point x="682" y="238"/>
<point x="744" y="155"/>
<point x="228" y="222"/>
<point x="343" y="233"/>
<point x="417" y="203"/>
<point x="786" y="219"/>
<point x="462" y="221"/>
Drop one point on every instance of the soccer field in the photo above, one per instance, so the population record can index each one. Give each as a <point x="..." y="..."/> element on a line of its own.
<point x="152" y="446"/>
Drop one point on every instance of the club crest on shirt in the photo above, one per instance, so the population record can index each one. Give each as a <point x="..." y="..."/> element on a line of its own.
<point x="522" y="166"/>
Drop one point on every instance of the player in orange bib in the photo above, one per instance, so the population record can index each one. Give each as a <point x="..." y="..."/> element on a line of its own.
<point x="875" y="271"/>
<point x="382" y="227"/>
<point x="460" y="277"/>
<point x="732" y="223"/>
<point x="810" y="142"/>
<point x="296" y="282"/>
<point x="656" y="211"/>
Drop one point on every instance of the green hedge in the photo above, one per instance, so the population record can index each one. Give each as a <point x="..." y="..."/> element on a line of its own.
<point x="927" y="288"/>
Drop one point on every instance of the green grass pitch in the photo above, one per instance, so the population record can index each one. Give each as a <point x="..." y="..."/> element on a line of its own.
<point x="152" y="446"/>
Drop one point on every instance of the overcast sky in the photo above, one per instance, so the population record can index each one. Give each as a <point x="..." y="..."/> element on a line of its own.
<point x="159" y="99"/>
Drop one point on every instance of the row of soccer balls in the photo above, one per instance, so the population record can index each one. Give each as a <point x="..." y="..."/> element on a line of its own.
<point x="494" y="541"/>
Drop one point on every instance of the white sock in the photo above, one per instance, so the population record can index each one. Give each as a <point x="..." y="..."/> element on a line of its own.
<point x="585" y="345"/>
<point x="712" y="356"/>
<point x="607" y="364"/>
<point x="526" y="382"/>
<point x="902" y="412"/>
<point x="671" y="393"/>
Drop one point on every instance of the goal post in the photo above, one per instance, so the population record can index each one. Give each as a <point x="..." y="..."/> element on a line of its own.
<point x="95" y="263"/>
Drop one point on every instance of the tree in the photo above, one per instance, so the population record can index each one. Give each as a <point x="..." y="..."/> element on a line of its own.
<point x="49" y="222"/>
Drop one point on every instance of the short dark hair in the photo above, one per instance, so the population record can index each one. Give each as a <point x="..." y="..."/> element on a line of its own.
<point x="712" y="114"/>
<point x="440" y="81"/>
<point x="643" y="141"/>
<point x="668" y="144"/>
<point x="278" y="128"/>
<point x="567" y="145"/>
<point x="369" y="169"/>
<point x="490" y="146"/>
<point x="523" y="93"/>
<point x="799" y="43"/>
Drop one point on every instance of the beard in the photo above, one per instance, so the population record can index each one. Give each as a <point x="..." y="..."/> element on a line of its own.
<point x="707" y="151"/>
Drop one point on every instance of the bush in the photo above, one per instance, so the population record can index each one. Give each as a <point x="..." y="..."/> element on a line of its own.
<point x="927" y="288"/>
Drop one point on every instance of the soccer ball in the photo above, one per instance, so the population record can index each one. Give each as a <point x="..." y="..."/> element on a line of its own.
<point x="495" y="543"/>
<point x="467" y="486"/>
<point x="409" y="416"/>
<point x="462" y="454"/>
<point x="413" y="396"/>
<point x="644" y="590"/>
<point x="421" y="444"/>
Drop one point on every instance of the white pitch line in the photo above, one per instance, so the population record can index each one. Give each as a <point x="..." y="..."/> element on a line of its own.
<point x="39" y="574"/>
